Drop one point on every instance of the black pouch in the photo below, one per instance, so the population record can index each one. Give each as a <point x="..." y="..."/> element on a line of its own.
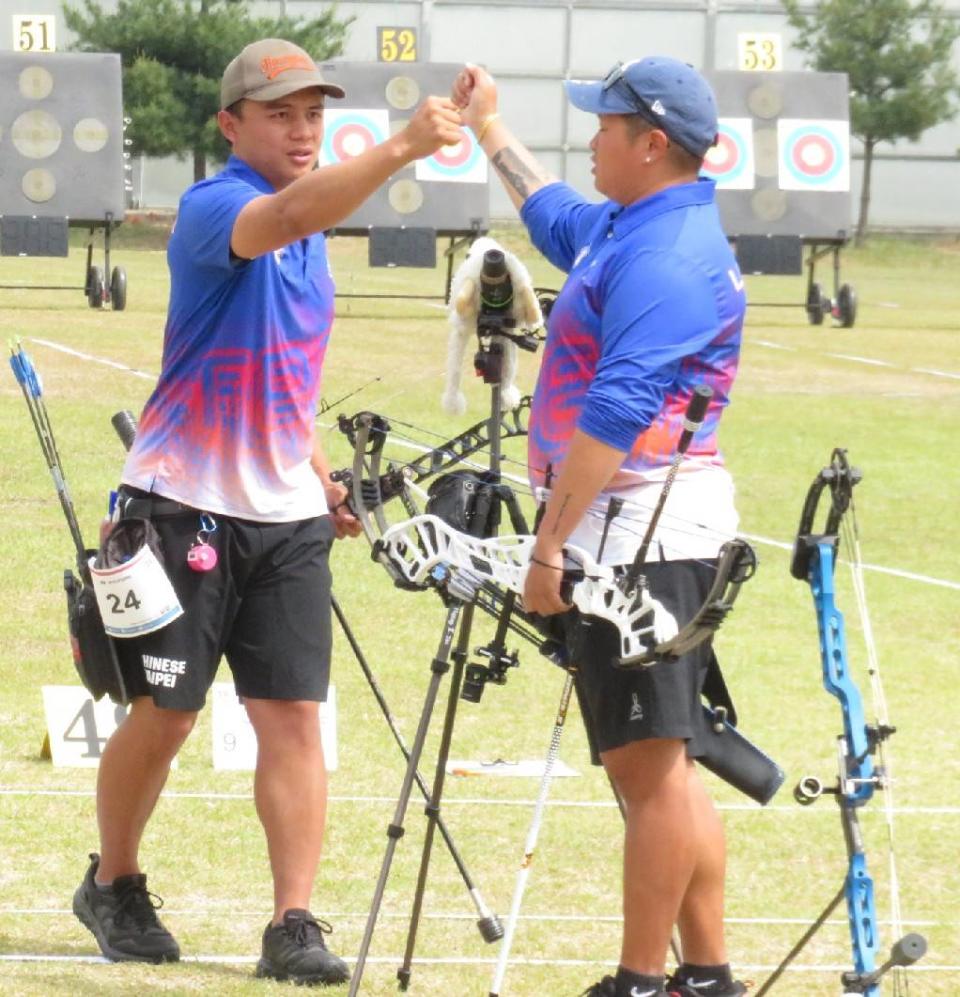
<point x="94" y="654"/>
<point x="453" y="498"/>
<point x="124" y="540"/>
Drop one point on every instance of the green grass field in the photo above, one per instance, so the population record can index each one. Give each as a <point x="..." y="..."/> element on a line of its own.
<point x="887" y="389"/>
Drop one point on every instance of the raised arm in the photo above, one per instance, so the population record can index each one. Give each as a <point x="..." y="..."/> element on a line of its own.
<point x="475" y="93"/>
<point x="327" y="195"/>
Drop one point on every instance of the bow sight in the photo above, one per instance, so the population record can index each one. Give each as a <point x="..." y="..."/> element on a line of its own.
<point x="495" y="320"/>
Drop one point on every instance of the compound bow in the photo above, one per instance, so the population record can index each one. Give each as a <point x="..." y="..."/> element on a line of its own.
<point x="424" y="551"/>
<point x="814" y="561"/>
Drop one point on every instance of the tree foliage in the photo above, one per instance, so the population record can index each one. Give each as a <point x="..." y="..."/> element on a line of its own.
<point x="897" y="56"/>
<point x="174" y="53"/>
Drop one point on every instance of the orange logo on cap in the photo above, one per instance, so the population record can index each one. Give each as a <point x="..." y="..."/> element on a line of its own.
<point x="273" y="67"/>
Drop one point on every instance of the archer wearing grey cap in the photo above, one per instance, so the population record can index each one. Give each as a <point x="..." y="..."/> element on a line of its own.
<point x="226" y="462"/>
<point x="650" y="314"/>
<point x="270" y="69"/>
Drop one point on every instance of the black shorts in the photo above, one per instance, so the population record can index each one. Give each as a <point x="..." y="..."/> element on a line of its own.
<point x="265" y="606"/>
<point x="622" y="705"/>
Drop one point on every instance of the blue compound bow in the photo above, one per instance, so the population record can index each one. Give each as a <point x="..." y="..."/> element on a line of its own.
<point x="814" y="561"/>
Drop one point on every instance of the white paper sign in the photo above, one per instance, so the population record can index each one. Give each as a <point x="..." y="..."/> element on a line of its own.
<point x="78" y="727"/>
<point x="135" y="597"/>
<point x="234" y="742"/>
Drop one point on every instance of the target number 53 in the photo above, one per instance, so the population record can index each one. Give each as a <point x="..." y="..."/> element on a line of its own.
<point x="760" y="52"/>
<point x="396" y="44"/>
<point x="34" y="32"/>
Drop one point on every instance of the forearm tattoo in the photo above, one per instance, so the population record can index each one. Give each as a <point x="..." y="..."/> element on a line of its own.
<point x="515" y="172"/>
<point x="560" y="512"/>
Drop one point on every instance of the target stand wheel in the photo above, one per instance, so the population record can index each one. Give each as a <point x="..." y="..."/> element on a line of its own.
<point x="118" y="289"/>
<point x="95" y="287"/>
<point x="817" y="305"/>
<point x="845" y="310"/>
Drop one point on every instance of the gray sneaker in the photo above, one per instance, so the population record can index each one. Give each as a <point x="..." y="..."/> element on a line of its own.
<point x="123" y="918"/>
<point x="295" y="950"/>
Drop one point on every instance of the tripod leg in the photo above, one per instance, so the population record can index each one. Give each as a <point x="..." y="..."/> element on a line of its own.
<point x="532" y="834"/>
<point x="488" y="922"/>
<point x="798" y="948"/>
<point x="395" y="829"/>
<point x="433" y="804"/>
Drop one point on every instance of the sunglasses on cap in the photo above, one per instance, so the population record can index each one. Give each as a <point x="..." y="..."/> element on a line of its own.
<point x="617" y="76"/>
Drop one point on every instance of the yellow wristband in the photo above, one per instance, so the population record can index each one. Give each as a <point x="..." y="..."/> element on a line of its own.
<point x="485" y="124"/>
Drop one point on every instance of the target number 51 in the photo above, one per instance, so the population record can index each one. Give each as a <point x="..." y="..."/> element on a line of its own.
<point x="34" y="32"/>
<point x="396" y="44"/>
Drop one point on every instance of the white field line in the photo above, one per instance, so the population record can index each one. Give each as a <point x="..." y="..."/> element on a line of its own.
<point x="479" y="802"/>
<point x="146" y="375"/>
<point x="457" y="961"/>
<point x="853" y="358"/>
<point x="912" y="576"/>
<point x="856" y="359"/>
<point x="899" y="573"/>
<point x="935" y="372"/>
<point x="346" y="915"/>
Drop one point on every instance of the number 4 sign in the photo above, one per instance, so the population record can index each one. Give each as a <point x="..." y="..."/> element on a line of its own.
<point x="78" y="727"/>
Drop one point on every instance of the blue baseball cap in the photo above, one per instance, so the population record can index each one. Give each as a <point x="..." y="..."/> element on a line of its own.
<point x="670" y="94"/>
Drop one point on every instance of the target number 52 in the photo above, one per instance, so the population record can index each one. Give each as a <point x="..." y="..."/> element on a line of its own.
<point x="760" y="52"/>
<point x="34" y="32"/>
<point x="396" y="44"/>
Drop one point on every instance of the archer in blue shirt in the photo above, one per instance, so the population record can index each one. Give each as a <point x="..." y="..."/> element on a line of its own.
<point x="652" y="306"/>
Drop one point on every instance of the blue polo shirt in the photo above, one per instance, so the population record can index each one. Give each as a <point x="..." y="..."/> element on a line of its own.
<point x="653" y="305"/>
<point x="229" y="427"/>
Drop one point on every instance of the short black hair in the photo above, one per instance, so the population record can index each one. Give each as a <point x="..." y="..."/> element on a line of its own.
<point x="684" y="159"/>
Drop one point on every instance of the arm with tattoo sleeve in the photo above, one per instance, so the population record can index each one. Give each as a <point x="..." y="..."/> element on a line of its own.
<point x="475" y="93"/>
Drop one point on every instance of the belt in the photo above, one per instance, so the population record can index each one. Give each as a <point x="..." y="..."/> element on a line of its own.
<point x="149" y="507"/>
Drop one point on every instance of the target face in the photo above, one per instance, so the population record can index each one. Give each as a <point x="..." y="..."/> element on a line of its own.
<point x="814" y="155"/>
<point x="349" y="133"/>
<point x="731" y="162"/>
<point x="460" y="163"/>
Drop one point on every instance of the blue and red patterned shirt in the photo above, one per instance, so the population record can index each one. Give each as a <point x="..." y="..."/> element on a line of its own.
<point x="229" y="427"/>
<point x="653" y="305"/>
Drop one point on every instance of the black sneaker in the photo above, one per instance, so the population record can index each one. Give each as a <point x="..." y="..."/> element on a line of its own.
<point x="123" y="919"/>
<point x="295" y="950"/>
<point x="703" y="986"/>
<point x="607" y="987"/>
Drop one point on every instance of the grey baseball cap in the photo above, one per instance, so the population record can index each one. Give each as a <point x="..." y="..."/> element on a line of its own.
<point x="270" y="69"/>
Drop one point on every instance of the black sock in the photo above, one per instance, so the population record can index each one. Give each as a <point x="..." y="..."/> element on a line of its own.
<point x="637" y="983"/>
<point x="722" y="974"/>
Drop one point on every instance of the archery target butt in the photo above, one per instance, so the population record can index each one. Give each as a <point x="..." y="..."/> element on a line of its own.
<point x="447" y="192"/>
<point x="61" y="135"/>
<point x="788" y="133"/>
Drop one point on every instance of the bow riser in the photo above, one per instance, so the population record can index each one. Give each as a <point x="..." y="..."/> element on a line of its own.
<point x="858" y="775"/>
